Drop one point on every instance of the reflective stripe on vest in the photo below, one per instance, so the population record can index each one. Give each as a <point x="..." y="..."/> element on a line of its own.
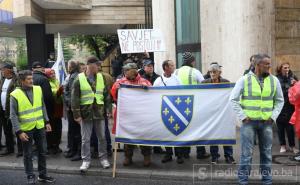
<point x="186" y="75"/>
<point x="87" y="95"/>
<point x="30" y="115"/>
<point x="54" y="86"/>
<point x="256" y="103"/>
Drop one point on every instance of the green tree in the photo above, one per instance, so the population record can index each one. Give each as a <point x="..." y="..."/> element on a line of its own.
<point x="68" y="53"/>
<point x="98" y="45"/>
<point x="21" y="54"/>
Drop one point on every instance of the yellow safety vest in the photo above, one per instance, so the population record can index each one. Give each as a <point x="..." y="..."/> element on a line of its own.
<point x="87" y="95"/>
<point x="187" y="75"/>
<point x="54" y="88"/>
<point x="256" y="103"/>
<point x="30" y="115"/>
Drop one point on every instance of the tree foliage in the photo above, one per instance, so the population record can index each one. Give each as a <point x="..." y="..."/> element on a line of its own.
<point x="21" y="54"/>
<point x="98" y="45"/>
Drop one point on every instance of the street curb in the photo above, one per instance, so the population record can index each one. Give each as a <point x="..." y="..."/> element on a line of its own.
<point x="138" y="174"/>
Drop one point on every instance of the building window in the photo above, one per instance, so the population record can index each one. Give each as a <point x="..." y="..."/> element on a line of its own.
<point x="188" y="29"/>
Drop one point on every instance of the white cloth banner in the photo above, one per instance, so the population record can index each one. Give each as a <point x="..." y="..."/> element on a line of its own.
<point x="141" y="40"/>
<point x="176" y="116"/>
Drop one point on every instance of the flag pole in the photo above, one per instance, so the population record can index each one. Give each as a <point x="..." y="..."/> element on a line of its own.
<point x="115" y="160"/>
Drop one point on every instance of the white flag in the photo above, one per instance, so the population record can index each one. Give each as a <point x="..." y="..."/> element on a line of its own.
<point x="59" y="65"/>
<point x="176" y="116"/>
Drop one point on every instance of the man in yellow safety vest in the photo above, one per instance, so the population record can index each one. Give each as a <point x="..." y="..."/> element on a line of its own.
<point x="189" y="75"/>
<point x="90" y="97"/>
<point x="257" y="100"/>
<point x="28" y="116"/>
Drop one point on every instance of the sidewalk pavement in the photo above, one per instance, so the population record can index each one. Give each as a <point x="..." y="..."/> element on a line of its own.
<point x="192" y="170"/>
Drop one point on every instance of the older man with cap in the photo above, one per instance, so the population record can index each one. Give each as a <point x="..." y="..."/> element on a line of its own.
<point x="207" y="75"/>
<point x="257" y="99"/>
<point x="189" y="75"/>
<point x="214" y="71"/>
<point x="132" y="78"/>
<point x="7" y="86"/>
<point x="90" y="96"/>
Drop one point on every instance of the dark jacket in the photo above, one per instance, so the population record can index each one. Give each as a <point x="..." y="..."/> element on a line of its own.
<point x="93" y="111"/>
<point x="68" y="89"/>
<point x="41" y="79"/>
<point x="221" y="80"/>
<point x="288" y="109"/>
<point x="150" y="78"/>
<point x="11" y="88"/>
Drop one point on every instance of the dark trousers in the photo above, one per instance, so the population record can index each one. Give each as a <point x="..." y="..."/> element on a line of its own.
<point x="145" y="150"/>
<point x="9" y="136"/>
<point x="201" y="151"/>
<point x="283" y="127"/>
<point x="178" y="151"/>
<point x="186" y="150"/>
<point x="54" y="137"/>
<point x="74" y="134"/>
<point x="214" y="151"/>
<point x="39" y="138"/>
<point x="94" y="140"/>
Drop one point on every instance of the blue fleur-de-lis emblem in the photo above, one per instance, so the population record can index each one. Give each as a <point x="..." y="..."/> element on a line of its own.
<point x="177" y="112"/>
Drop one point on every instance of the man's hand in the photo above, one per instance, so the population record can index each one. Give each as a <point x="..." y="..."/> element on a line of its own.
<point x="269" y="121"/>
<point x="48" y="127"/>
<point x="23" y="136"/>
<point x="78" y="120"/>
<point x="246" y="120"/>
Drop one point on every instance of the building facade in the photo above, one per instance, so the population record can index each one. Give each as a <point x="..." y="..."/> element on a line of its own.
<point x="39" y="20"/>
<point x="229" y="32"/>
<point x="223" y="31"/>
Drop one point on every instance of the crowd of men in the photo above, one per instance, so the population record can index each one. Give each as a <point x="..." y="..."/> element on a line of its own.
<point x="32" y="105"/>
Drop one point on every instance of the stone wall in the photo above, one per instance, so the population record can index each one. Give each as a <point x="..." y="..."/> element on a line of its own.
<point x="288" y="33"/>
<point x="100" y="12"/>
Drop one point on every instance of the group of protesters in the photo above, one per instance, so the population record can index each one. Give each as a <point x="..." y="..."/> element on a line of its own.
<point x="33" y="103"/>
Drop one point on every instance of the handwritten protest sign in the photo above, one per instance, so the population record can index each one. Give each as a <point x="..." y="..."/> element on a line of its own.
<point x="140" y="40"/>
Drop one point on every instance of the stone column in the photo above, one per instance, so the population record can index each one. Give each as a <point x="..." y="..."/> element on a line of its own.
<point x="233" y="30"/>
<point x="164" y="18"/>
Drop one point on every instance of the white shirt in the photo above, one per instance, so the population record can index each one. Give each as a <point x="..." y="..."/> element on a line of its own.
<point x="4" y="92"/>
<point x="198" y="77"/>
<point x="173" y="80"/>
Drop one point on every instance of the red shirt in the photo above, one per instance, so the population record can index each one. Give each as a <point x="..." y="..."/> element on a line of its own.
<point x="137" y="81"/>
<point x="114" y="92"/>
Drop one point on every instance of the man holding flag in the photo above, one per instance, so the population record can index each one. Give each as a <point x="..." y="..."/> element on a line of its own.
<point x="132" y="77"/>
